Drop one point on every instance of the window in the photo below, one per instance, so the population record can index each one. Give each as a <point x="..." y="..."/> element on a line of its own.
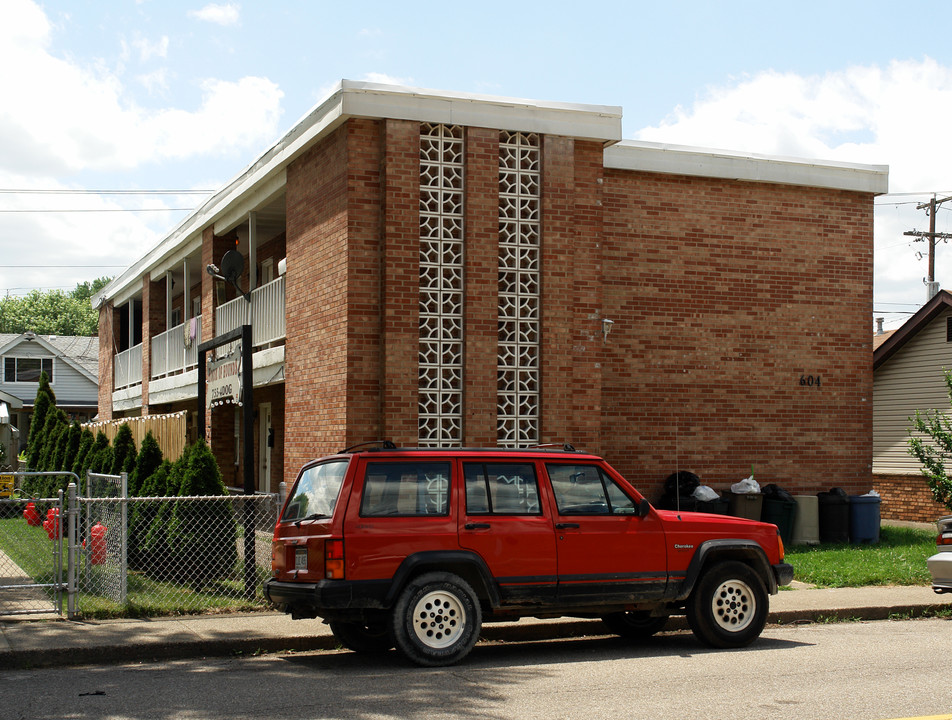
<point x="948" y="329"/>
<point x="26" y="370"/>
<point x="315" y="494"/>
<point x="501" y="489"/>
<point x="406" y="489"/>
<point x="586" y="490"/>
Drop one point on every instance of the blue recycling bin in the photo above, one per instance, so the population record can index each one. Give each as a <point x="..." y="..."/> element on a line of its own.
<point x="864" y="519"/>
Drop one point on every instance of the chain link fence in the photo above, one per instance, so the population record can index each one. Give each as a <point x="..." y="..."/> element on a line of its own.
<point x="140" y="556"/>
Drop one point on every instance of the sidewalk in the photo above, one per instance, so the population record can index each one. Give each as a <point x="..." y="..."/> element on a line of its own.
<point x="50" y="642"/>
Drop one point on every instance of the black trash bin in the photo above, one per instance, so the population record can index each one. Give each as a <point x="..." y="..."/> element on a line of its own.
<point x="834" y="515"/>
<point x="780" y="509"/>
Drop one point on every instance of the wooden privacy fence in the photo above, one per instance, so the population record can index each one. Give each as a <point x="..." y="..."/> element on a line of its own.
<point x="170" y="431"/>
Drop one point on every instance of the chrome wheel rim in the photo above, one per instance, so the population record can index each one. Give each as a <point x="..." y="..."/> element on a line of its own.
<point x="733" y="605"/>
<point x="438" y="619"/>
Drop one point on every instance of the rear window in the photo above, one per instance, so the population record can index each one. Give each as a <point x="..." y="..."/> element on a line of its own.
<point x="315" y="495"/>
<point x="406" y="489"/>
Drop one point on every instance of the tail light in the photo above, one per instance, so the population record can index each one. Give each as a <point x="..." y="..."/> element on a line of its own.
<point x="334" y="559"/>
<point x="944" y="539"/>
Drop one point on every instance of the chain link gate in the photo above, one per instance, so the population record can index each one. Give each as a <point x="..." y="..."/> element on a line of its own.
<point x="32" y="552"/>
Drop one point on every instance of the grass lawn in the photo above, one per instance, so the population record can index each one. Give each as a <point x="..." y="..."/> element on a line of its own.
<point x="898" y="559"/>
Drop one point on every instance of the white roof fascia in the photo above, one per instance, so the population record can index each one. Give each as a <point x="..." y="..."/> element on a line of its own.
<point x="592" y="122"/>
<point x="728" y="165"/>
<point x="362" y="99"/>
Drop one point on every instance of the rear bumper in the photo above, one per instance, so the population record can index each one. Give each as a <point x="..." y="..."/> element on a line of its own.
<point x="784" y="573"/>
<point x="326" y="596"/>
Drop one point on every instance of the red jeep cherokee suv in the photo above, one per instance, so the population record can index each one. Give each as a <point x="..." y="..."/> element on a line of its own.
<point x="416" y="548"/>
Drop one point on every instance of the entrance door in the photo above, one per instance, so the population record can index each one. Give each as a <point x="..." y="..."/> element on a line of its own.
<point x="265" y="443"/>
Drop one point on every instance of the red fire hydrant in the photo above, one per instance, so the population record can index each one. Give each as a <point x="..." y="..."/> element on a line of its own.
<point x="97" y="544"/>
<point x="31" y="516"/>
<point x="52" y="524"/>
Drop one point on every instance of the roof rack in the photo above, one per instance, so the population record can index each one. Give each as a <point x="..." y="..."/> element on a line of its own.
<point x="567" y="447"/>
<point x="379" y="445"/>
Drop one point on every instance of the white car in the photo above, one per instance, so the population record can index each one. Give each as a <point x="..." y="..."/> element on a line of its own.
<point x="940" y="564"/>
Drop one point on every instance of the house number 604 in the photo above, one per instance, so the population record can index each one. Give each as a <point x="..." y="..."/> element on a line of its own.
<point x="810" y="381"/>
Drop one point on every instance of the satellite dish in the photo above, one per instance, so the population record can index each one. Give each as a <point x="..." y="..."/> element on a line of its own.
<point x="232" y="265"/>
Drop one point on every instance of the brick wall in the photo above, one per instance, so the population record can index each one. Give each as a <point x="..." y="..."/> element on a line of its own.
<point x="907" y="497"/>
<point x="724" y="295"/>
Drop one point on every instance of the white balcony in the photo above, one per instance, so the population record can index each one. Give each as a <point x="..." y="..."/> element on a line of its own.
<point x="267" y="314"/>
<point x="176" y="350"/>
<point x="128" y="368"/>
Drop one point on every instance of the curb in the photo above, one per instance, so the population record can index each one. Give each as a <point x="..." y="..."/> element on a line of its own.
<point x="528" y="632"/>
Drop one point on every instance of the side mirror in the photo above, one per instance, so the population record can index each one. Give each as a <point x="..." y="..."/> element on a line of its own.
<point x="644" y="507"/>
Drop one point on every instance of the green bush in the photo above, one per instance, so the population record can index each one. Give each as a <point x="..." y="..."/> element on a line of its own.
<point x="202" y="536"/>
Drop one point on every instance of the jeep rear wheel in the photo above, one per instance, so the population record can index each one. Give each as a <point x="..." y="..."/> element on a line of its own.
<point x="728" y="608"/>
<point x="635" y="625"/>
<point x="436" y="619"/>
<point x="370" y="637"/>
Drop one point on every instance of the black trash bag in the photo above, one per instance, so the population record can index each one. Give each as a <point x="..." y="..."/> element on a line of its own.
<point x="837" y="492"/>
<point x="681" y="483"/>
<point x="775" y="492"/>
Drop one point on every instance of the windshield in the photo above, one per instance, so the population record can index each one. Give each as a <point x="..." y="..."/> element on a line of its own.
<point x="315" y="494"/>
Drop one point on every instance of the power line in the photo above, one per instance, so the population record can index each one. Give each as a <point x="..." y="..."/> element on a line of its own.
<point x="41" y="191"/>
<point x="102" y="210"/>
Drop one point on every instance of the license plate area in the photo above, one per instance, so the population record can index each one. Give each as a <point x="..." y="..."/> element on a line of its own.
<point x="300" y="558"/>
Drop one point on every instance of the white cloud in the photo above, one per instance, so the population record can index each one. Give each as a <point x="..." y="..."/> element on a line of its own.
<point x="63" y="117"/>
<point x="224" y="15"/>
<point x="893" y="115"/>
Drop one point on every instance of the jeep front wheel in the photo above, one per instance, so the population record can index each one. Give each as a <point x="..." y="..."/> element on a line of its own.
<point x="728" y="608"/>
<point x="436" y="619"/>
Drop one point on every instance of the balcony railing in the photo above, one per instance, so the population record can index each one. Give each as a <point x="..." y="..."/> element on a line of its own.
<point x="267" y="314"/>
<point x="176" y="350"/>
<point x="128" y="367"/>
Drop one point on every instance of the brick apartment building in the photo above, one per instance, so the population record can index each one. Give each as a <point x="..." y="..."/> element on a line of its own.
<point x="440" y="268"/>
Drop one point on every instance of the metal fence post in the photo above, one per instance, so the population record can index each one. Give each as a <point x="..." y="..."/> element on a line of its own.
<point x="124" y="541"/>
<point x="58" y="550"/>
<point x="72" y="550"/>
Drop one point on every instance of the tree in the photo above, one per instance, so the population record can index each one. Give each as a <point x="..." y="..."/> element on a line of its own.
<point x="933" y="448"/>
<point x="53" y="312"/>
<point x="45" y="399"/>
<point x="147" y="462"/>
<point x="124" y="451"/>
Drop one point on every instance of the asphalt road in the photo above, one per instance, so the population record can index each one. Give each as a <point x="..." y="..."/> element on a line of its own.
<point x="871" y="670"/>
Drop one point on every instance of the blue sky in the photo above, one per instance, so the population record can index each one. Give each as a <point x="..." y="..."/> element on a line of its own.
<point x="173" y="95"/>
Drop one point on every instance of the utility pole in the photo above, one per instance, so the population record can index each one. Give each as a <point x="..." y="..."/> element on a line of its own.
<point x="932" y="206"/>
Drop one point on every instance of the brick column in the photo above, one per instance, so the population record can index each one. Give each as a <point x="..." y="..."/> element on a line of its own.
<point x="153" y="323"/>
<point x="108" y="342"/>
<point x="481" y="305"/>
<point x="401" y="308"/>
<point x="572" y="345"/>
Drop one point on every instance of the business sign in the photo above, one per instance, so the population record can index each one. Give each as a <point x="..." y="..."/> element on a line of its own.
<point x="224" y="381"/>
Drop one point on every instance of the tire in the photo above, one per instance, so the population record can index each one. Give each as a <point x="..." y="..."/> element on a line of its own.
<point x="635" y="625"/>
<point x="436" y="619"/>
<point x="728" y="608"/>
<point x="373" y="637"/>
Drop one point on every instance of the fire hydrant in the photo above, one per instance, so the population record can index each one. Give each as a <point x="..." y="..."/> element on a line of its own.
<point x="97" y="544"/>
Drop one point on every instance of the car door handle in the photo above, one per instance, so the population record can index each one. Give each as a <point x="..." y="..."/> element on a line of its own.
<point x="567" y="526"/>
<point x="477" y="526"/>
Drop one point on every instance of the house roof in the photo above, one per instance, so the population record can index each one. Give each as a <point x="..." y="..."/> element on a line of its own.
<point x="79" y="351"/>
<point x="941" y="302"/>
